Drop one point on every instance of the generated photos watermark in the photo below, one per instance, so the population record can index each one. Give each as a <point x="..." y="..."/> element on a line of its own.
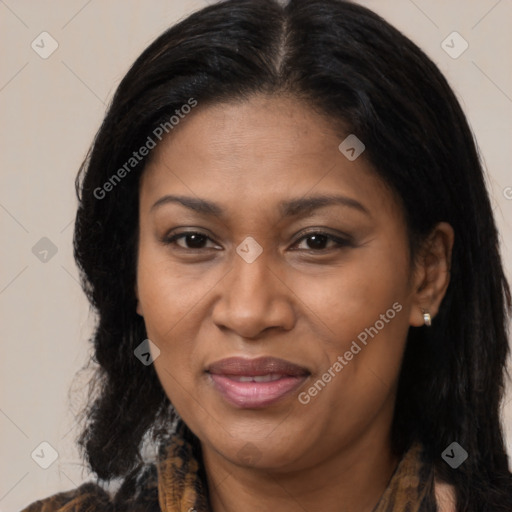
<point x="454" y="455"/>
<point x="137" y="156"/>
<point x="351" y="147"/>
<point x="147" y="352"/>
<point x="343" y="360"/>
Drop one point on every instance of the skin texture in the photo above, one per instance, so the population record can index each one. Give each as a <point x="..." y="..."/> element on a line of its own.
<point x="298" y="301"/>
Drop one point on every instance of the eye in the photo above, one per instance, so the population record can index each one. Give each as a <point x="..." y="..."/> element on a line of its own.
<point x="317" y="241"/>
<point x="191" y="240"/>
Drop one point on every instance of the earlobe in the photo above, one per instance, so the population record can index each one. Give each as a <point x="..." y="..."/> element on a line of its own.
<point x="416" y="318"/>
<point x="433" y="275"/>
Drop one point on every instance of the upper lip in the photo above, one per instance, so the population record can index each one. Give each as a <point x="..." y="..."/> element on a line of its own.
<point x="255" y="367"/>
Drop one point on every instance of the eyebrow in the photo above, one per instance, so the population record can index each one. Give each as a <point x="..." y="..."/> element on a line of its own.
<point x="288" y="208"/>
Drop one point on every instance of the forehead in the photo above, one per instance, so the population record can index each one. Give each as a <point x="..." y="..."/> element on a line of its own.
<point x="263" y="127"/>
<point x="259" y="151"/>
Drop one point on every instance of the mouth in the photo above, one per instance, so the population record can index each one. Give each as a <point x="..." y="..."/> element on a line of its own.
<point x="255" y="383"/>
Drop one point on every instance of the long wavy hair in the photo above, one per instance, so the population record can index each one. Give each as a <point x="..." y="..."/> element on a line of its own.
<point x="350" y="65"/>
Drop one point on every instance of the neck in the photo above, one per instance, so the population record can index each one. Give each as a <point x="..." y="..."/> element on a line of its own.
<point x="350" y="479"/>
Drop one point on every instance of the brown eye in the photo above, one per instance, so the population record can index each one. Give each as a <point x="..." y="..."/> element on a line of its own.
<point x="319" y="241"/>
<point x="191" y="240"/>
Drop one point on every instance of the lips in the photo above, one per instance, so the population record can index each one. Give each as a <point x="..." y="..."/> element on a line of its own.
<point x="255" y="383"/>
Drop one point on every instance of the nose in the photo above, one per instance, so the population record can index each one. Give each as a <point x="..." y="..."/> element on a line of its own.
<point x="253" y="299"/>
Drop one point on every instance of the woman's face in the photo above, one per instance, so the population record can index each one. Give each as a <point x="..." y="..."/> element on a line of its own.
<point x="281" y="322"/>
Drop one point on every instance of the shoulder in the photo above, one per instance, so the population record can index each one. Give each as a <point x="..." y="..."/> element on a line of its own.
<point x="89" y="496"/>
<point x="445" y="496"/>
<point x="138" y="493"/>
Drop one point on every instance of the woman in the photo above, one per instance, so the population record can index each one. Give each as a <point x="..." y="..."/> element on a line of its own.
<point x="285" y="231"/>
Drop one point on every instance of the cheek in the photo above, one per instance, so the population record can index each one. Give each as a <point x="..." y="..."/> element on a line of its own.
<point x="167" y="292"/>
<point x="168" y="310"/>
<point x="352" y="296"/>
<point x="364" y="308"/>
<point x="167" y="304"/>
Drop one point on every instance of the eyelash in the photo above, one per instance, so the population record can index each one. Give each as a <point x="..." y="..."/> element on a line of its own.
<point x="341" y="242"/>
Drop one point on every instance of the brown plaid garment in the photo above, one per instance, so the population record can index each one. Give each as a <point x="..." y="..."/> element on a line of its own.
<point x="175" y="486"/>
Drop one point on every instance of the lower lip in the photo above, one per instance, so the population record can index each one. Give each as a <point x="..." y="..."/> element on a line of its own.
<point x="254" y="395"/>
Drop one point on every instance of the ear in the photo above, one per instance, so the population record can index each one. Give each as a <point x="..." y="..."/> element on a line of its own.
<point x="432" y="273"/>
<point x="139" y="307"/>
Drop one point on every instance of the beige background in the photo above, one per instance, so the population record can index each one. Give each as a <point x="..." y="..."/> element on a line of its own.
<point x="50" y="110"/>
